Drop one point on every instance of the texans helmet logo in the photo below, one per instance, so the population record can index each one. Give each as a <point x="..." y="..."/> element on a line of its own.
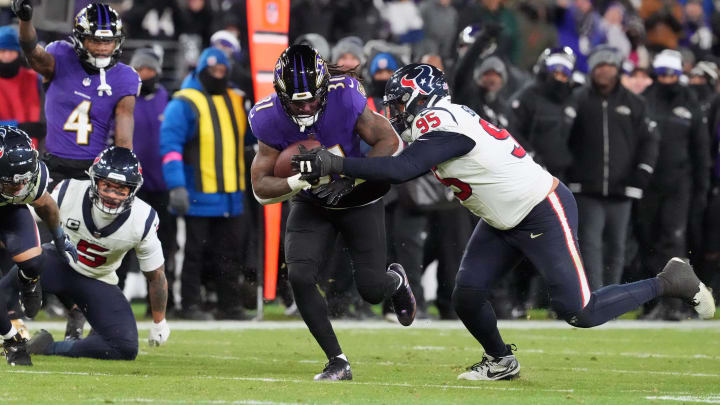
<point x="420" y="79"/>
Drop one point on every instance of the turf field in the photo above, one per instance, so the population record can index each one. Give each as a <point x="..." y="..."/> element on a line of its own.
<point x="268" y="362"/>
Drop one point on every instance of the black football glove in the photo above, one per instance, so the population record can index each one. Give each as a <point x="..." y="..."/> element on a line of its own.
<point x="23" y="9"/>
<point x="316" y="163"/>
<point x="335" y="190"/>
<point x="63" y="245"/>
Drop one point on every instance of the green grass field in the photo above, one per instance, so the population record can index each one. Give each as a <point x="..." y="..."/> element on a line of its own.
<point x="390" y="364"/>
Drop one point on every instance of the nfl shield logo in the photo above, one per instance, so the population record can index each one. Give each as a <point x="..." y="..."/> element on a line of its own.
<point x="272" y="14"/>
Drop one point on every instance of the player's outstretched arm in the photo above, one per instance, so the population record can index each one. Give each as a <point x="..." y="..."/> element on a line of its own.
<point x="157" y="292"/>
<point x="40" y="60"/>
<point x="377" y="131"/>
<point x="267" y="188"/>
<point x="48" y="211"/>
<point x="125" y="122"/>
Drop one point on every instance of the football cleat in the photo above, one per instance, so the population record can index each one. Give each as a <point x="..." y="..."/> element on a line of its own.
<point x="30" y="295"/>
<point x="75" y="324"/>
<point x="336" y="369"/>
<point x="40" y="342"/>
<point x="679" y="280"/>
<point x="16" y="351"/>
<point x="491" y="368"/>
<point x="403" y="300"/>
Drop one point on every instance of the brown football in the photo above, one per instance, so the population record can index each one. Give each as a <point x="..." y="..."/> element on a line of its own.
<point x="282" y="164"/>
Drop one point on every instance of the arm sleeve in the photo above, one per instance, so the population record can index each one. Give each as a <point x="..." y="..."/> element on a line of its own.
<point x="417" y="159"/>
<point x="177" y="127"/>
<point x="700" y="152"/>
<point x="648" y="142"/>
<point x="149" y="250"/>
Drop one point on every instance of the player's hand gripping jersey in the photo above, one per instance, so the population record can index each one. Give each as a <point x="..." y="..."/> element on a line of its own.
<point x="334" y="129"/>
<point x="101" y="250"/>
<point x="497" y="180"/>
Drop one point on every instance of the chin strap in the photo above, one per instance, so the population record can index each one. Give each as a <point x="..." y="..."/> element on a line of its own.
<point x="103" y="87"/>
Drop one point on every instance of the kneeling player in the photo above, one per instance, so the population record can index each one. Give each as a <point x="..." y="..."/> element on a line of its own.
<point x="104" y="220"/>
<point x="526" y="212"/>
<point x="23" y="181"/>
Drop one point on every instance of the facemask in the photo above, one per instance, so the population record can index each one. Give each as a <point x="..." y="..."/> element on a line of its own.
<point x="213" y="85"/>
<point x="703" y="91"/>
<point x="377" y="88"/>
<point x="668" y="90"/>
<point x="8" y="70"/>
<point x="149" y="86"/>
<point x="558" y="90"/>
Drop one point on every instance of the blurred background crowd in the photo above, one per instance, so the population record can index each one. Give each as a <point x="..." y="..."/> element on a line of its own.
<point x="617" y="98"/>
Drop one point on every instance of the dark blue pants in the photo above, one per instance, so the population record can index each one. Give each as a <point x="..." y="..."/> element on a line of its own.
<point x="548" y="238"/>
<point x="18" y="230"/>
<point x="104" y="306"/>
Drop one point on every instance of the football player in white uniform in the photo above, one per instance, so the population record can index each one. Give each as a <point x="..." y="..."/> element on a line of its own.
<point x="526" y="212"/>
<point x="23" y="181"/>
<point x="104" y="221"/>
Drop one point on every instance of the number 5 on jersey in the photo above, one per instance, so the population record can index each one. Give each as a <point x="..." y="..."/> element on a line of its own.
<point x="79" y="122"/>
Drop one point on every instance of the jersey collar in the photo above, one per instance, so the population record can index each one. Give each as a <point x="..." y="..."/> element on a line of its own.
<point x="106" y="231"/>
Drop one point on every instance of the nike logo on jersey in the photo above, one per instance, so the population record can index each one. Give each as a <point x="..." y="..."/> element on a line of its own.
<point x="535" y="235"/>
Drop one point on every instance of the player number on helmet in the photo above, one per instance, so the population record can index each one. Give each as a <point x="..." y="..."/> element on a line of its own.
<point x="79" y="122"/>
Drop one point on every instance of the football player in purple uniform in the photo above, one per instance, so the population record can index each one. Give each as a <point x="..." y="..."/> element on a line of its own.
<point x="87" y="88"/>
<point x="312" y="102"/>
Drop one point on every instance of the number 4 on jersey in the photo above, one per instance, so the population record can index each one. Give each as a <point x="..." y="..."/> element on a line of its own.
<point x="79" y="122"/>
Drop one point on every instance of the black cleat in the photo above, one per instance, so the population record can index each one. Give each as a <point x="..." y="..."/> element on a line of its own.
<point x="16" y="351"/>
<point x="335" y="370"/>
<point x="40" y="342"/>
<point x="679" y="280"/>
<point x="75" y="324"/>
<point x="403" y="300"/>
<point x="30" y="295"/>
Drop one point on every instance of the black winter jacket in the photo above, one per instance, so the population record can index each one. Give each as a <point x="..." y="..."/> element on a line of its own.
<point x="612" y="142"/>
<point x="684" y="141"/>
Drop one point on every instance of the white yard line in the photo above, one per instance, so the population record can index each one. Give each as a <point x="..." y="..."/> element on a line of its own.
<point x="295" y="381"/>
<point x="441" y="325"/>
<point x="713" y="399"/>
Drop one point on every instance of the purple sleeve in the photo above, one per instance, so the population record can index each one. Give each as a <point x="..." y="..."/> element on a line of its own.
<point x="56" y="49"/>
<point x="353" y="96"/>
<point x="130" y="82"/>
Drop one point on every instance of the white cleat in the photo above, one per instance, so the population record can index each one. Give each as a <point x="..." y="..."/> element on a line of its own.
<point x="679" y="280"/>
<point x="493" y="369"/>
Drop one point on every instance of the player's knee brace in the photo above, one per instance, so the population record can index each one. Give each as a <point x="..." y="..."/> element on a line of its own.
<point x="466" y="299"/>
<point x="32" y="268"/>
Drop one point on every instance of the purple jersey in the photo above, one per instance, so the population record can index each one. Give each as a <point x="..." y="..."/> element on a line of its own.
<point x="334" y="129"/>
<point x="146" y="139"/>
<point x="78" y="119"/>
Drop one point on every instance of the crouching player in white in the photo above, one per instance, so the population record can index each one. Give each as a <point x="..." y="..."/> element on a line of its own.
<point x="526" y="212"/>
<point x="104" y="221"/>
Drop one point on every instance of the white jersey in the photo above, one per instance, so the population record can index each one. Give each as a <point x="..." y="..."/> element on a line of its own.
<point x="497" y="180"/>
<point x="100" y="251"/>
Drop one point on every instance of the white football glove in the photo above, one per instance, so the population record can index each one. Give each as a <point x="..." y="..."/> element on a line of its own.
<point x="159" y="333"/>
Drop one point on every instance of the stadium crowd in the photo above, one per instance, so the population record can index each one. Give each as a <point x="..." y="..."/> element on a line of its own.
<point x="618" y="99"/>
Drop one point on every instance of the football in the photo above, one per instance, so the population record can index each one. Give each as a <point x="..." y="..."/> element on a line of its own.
<point x="282" y="164"/>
